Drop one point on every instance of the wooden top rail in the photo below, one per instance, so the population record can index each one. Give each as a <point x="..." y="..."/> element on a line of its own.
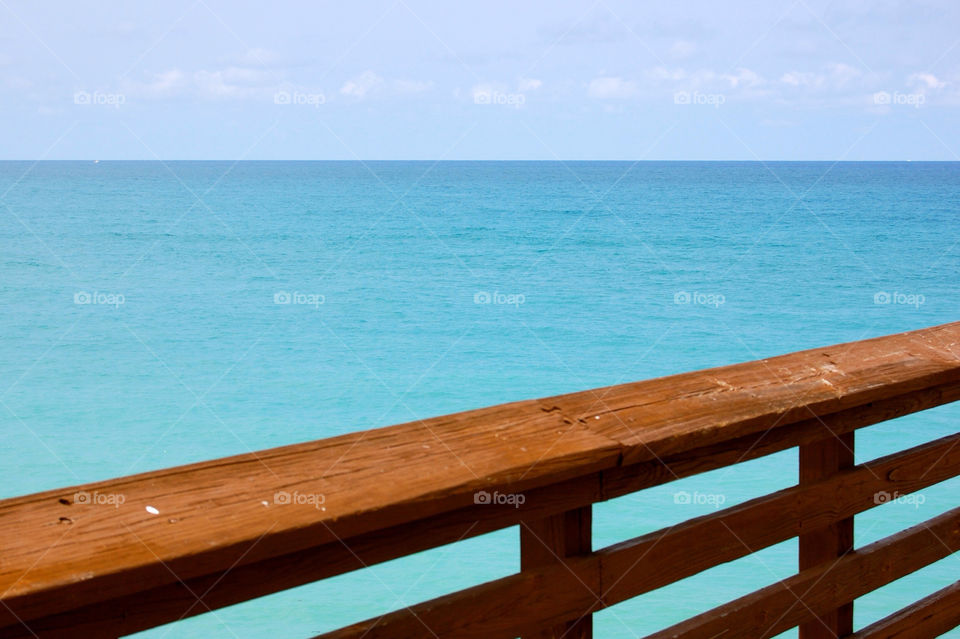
<point x="659" y="558"/>
<point x="122" y="555"/>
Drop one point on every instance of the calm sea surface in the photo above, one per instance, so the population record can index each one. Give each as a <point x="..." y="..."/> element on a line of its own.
<point x="141" y="326"/>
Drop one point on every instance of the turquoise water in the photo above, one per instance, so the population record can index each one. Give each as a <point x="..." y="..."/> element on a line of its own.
<point x="597" y="273"/>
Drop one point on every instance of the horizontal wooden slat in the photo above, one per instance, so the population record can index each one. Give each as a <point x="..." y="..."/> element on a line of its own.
<point x="59" y="556"/>
<point x="654" y="560"/>
<point x="772" y="610"/>
<point x="930" y="617"/>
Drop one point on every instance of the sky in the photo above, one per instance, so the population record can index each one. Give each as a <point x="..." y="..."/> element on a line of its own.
<point x="440" y="80"/>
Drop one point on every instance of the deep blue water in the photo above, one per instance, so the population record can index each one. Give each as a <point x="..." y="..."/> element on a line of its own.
<point x="597" y="273"/>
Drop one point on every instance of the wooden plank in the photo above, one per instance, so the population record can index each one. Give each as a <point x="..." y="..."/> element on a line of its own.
<point x="930" y="617"/>
<point x="772" y="610"/>
<point x="681" y="412"/>
<point x="818" y="461"/>
<point x="167" y="603"/>
<point x="553" y="540"/>
<point x="158" y="606"/>
<point x="657" y="559"/>
<point x="58" y="556"/>
<point x="624" y="480"/>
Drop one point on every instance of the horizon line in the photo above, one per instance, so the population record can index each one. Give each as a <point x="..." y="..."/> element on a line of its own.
<point x="450" y="161"/>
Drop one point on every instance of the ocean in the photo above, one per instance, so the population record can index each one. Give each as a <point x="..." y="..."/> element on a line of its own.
<point x="157" y="314"/>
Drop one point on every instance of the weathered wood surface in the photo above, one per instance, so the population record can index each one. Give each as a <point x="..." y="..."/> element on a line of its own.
<point x="660" y="558"/>
<point x="772" y="610"/>
<point x="930" y="617"/>
<point x="55" y="556"/>
<point x="669" y="415"/>
<point x="58" y="556"/>
<point x="160" y="605"/>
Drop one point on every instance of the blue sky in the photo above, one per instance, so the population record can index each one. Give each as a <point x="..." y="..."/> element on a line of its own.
<point x="409" y="79"/>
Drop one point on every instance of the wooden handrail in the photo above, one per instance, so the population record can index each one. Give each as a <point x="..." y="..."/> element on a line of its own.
<point x="632" y="568"/>
<point x="136" y="552"/>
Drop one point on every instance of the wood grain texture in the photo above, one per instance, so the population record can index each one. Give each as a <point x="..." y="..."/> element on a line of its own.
<point x="818" y="461"/>
<point x="59" y="556"/>
<point x="930" y="617"/>
<point x="150" y="608"/>
<point x="772" y="610"/>
<point x="553" y="540"/>
<point x="630" y="478"/>
<point x="147" y="609"/>
<point x="674" y="414"/>
<point x="660" y="558"/>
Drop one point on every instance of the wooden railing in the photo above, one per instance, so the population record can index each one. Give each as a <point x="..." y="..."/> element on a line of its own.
<point x="119" y="556"/>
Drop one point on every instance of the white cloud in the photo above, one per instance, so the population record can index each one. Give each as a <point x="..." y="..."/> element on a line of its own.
<point x="777" y="124"/>
<point x="258" y="56"/>
<point x="229" y="83"/>
<point x="501" y="92"/>
<point x="744" y="78"/>
<point x="926" y="81"/>
<point x="834" y="76"/>
<point x="124" y="27"/>
<point x="528" y="84"/>
<point x="234" y="82"/>
<point x="668" y="75"/>
<point x="407" y="87"/>
<point x="683" y="49"/>
<point x="842" y="74"/>
<point x="369" y="84"/>
<point x="802" y="79"/>
<point x="483" y="92"/>
<point x="611" y="88"/>
<point x="163" y="85"/>
<point x="705" y="78"/>
<point x="362" y="85"/>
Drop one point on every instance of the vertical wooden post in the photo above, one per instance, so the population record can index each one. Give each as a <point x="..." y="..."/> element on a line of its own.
<point x="820" y="460"/>
<point x="549" y="540"/>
